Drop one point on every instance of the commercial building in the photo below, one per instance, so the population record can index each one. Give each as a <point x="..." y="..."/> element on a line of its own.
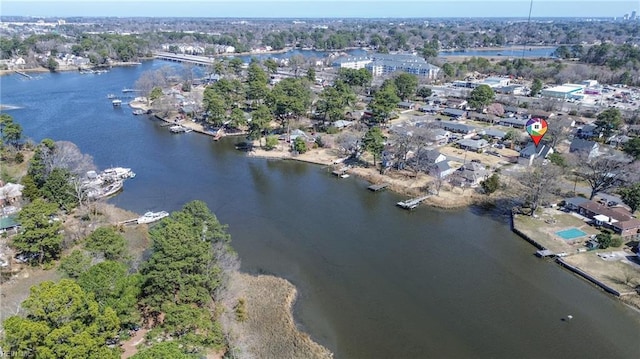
<point x="565" y="91"/>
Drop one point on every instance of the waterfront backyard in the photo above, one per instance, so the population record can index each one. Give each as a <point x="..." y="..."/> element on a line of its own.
<point x="566" y="235"/>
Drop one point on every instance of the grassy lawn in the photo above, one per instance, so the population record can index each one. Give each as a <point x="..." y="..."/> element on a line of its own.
<point x="549" y="221"/>
<point x="621" y="273"/>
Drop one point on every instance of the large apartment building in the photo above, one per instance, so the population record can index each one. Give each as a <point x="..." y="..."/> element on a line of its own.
<point x="384" y="64"/>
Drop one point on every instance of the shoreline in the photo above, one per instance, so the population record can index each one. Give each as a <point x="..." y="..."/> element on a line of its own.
<point x="269" y="330"/>
<point x="66" y="68"/>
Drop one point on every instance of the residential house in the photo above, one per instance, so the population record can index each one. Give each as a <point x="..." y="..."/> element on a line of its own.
<point x="456" y="127"/>
<point x="511" y="110"/>
<point x="627" y="229"/>
<point x="493" y="133"/>
<point x="473" y="145"/>
<point x="471" y="174"/>
<point x="455" y="114"/>
<point x="480" y="117"/>
<point x="589" y="148"/>
<point x="406" y="105"/>
<point x="588" y="131"/>
<point x="513" y="122"/>
<point x="434" y="156"/>
<point x="532" y="152"/>
<point x="439" y="136"/>
<point x="340" y="124"/>
<point x="616" y="218"/>
<point x="457" y="103"/>
<point x="440" y="169"/>
<point x="573" y="203"/>
<point x="429" y="109"/>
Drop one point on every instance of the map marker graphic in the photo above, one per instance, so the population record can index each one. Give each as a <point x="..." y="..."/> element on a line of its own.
<point x="536" y="127"/>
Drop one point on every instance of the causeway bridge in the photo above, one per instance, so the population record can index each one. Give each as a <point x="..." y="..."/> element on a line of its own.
<point x="192" y="59"/>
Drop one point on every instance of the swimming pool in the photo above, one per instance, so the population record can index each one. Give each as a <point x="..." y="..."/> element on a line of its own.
<point x="571" y="233"/>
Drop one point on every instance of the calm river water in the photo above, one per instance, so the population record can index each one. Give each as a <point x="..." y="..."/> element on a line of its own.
<point x="375" y="281"/>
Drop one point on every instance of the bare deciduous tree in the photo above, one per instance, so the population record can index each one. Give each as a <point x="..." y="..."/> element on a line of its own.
<point x="540" y="182"/>
<point x="604" y="173"/>
<point x="67" y="155"/>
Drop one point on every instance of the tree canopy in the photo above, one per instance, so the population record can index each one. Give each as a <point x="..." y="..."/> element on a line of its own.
<point x="106" y="242"/>
<point x="62" y="321"/>
<point x="406" y="85"/>
<point x="40" y="239"/>
<point x="384" y="101"/>
<point x="481" y="97"/>
<point x="631" y="196"/>
<point x="608" y="121"/>
<point x="373" y="141"/>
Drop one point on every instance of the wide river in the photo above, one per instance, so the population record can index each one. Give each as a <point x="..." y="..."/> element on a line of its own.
<point x="375" y="281"/>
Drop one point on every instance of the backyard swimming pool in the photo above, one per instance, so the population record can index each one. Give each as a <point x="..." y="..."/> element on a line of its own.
<point x="571" y="233"/>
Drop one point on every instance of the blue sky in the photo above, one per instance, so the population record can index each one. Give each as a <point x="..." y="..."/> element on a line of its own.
<point x="315" y="8"/>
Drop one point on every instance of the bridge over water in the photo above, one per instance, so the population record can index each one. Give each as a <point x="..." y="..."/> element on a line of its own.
<point x="192" y="59"/>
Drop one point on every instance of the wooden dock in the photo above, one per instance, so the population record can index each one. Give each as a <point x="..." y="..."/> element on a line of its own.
<point x="23" y="74"/>
<point x="411" y="203"/>
<point x="545" y="253"/>
<point x="378" y="187"/>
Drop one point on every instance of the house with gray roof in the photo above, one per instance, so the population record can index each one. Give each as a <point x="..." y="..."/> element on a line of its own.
<point x="454" y="113"/>
<point x="471" y="174"/>
<point x="456" y="127"/>
<point x="492" y="132"/>
<point x="513" y="122"/>
<point x="440" y="169"/>
<point x="533" y="152"/>
<point x="590" y="148"/>
<point x="473" y="145"/>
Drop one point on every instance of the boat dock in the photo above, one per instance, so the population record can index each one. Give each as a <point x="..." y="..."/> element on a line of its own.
<point x="342" y="173"/>
<point x="23" y="74"/>
<point x="411" y="203"/>
<point x="378" y="187"/>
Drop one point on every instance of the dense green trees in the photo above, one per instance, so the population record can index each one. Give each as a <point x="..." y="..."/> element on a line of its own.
<point x="384" y="101"/>
<point x="257" y="81"/>
<point x="481" y="97"/>
<point x="182" y="274"/>
<point x="166" y="350"/>
<point x="536" y="87"/>
<point x="631" y="196"/>
<point x="424" y="92"/>
<point x="58" y="189"/>
<point x="39" y="239"/>
<point x="333" y="100"/>
<point x="358" y="78"/>
<point x="632" y="147"/>
<point x="260" y="122"/>
<point x="491" y="184"/>
<point x="106" y="242"/>
<point x="406" y="85"/>
<point x="289" y="98"/>
<point x="373" y="141"/>
<point x="11" y="132"/>
<point x="608" y="121"/>
<point x="75" y="264"/>
<point x="114" y="288"/>
<point x="62" y="321"/>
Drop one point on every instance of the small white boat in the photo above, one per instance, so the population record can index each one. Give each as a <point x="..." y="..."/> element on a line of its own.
<point x="139" y="112"/>
<point x="110" y="190"/>
<point x="118" y="173"/>
<point x="344" y="175"/>
<point x="150" y="217"/>
<point x="116" y="103"/>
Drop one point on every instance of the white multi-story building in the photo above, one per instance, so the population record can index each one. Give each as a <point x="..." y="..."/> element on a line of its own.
<point x="384" y="64"/>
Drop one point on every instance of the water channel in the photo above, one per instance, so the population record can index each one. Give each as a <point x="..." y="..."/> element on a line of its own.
<point x="374" y="281"/>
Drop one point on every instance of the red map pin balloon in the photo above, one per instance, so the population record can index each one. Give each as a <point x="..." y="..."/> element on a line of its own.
<point x="536" y="127"/>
